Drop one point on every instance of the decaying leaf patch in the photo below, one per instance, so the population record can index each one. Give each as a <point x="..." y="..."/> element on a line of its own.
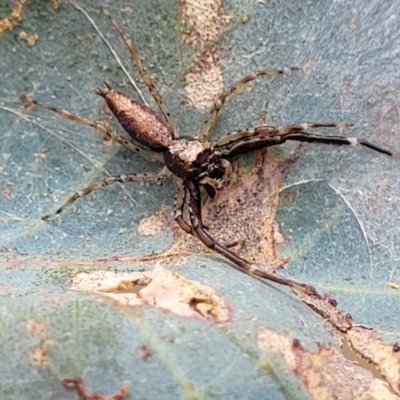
<point x="36" y="327"/>
<point x="154" y="223"/>
<point x="204" y="21"/>
<point x="385" y="357"/>
<point x="157" y="288"/>
<point x="203" y="81"/>
<point x="325" y="374"/>
<point x="40" y="354"/>
<point x="327" y="308"/>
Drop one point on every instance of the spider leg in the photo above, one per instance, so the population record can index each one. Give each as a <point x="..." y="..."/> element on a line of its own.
<point x="180" y="199"/>
<point x="150" y="177"/>
<point x="199" y="230"/>
<point x="99" y="128"/>
<point x="146" y="78"/>
<point x="213" y="114"/>
<point x="264" y="130"/>
<point x="266" y="136"/>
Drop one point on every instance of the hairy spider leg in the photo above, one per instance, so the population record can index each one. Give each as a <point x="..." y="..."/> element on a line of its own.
<point x="100" y="128"/>
<point x="180" y="199"/>
<point x="199" y="231"/>
<point x="264" y="130"/>
<point x="265" y="136"/>
<point x="149" y="177"/>
<point x="219" y="103"/>
<point x="146" y="78"/>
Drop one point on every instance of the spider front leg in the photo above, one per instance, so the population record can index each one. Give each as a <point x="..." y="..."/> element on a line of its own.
<point x="265" y="136"/>
<point x="150" y="177"/>
<point x="146" y="78"/>
<point x="180" y="199"/>
<point x="98" y="127"/>
<point x="213" y="114"/>
<point x="264" y="130"/>
<point x="199" y="230"/>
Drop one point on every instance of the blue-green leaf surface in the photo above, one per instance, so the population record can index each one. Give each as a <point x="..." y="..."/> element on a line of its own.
<point x="338" y="213"/>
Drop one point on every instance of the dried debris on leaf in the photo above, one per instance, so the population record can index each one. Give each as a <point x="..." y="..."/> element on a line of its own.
<point x="157" y="288"/>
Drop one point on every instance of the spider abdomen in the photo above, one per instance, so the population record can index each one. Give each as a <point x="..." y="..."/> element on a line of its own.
<point x="138" y="120"/>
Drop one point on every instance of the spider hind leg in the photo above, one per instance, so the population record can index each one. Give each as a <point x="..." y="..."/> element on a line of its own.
<point x="98" y="126"/>
<point x="198" y="229"/>
<point x="219" y="103"/>
<point x="123" y="178"/>
<point x="146" y="78"/>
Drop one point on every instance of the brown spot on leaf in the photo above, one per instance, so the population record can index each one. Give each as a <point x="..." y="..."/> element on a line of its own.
<point x="245" y="18"/>
<point x="6" y="25"/>
<point x="55" y="5"/>
<point x="155" y="223"/>
<point x="35" y="327"/>
<point x="204" y="20"/>
<point x="144" y="352"/>
<point x="32" y="39"/>
<point x="39" y="355"/>
<point x="7" y="193"/>
<point x="78" y="385"/>
<point x="203" y="81"/>
<point x="26" y="102"/>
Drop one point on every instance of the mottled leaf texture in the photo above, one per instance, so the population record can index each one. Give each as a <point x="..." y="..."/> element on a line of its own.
<point x="111" y="300"/>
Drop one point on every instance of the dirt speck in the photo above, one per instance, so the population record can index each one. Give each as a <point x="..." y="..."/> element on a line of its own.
<point x="36" y="327"/>
<point x="40" y="354"/>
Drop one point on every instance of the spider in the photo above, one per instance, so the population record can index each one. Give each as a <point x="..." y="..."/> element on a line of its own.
<point x="194" y="161"/>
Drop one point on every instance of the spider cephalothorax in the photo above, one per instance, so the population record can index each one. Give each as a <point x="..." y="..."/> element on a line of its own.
<point x="189" y="158"/>
<point x="196" y="162"/>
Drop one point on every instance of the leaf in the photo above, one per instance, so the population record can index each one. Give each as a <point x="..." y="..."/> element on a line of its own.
<point x="335" y="209"/>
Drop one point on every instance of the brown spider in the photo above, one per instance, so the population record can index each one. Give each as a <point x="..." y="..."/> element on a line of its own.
<point x="194" y="161"/>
